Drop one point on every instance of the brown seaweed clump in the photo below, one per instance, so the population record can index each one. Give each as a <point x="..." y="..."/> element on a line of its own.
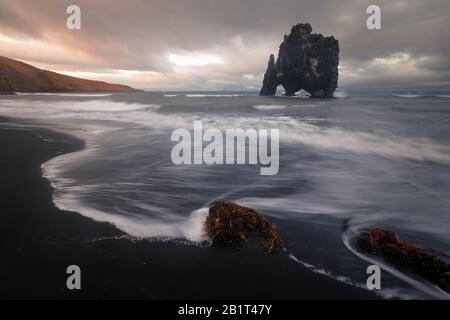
<point x="387" y="244"/>
<point x="230" y="224"/>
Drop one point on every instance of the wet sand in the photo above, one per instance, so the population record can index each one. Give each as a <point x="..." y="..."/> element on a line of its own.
<point x="38" y="242"/>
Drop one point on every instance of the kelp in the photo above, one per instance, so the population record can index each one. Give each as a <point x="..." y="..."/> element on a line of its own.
<point x="388" y="245"/>
<point x="229" y="224"/>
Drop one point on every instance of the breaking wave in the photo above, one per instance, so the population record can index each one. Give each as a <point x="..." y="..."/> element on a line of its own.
<point x="198" y="95"/>
<point x="411" y="96"/>
<point x="408" y="95"/>
<point x="90" y="95"/>
<point x="168" y="225"/>
<point x="292" y="130"/>
<point x="269" y="107"/>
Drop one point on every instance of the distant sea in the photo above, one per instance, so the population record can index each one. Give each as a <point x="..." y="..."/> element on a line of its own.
<point x="360" y="160"/>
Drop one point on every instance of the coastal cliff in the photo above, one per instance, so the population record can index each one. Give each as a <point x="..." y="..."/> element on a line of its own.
<point x="16" y="76"/>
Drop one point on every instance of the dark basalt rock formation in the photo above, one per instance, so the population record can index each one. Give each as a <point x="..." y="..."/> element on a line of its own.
<point x="305" y="61"/>
<point x="388" y="245"/>
<point x="229" y="224"/>
<point x="270" y="82"/>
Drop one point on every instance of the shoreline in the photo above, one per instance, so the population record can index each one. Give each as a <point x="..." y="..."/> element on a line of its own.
<point x="39" y="241"/>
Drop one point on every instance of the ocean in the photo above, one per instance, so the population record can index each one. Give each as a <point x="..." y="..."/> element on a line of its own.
<point x="361" y="160"/>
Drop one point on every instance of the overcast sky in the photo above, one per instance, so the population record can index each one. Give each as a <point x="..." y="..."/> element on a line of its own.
<point x="218" y="44"/>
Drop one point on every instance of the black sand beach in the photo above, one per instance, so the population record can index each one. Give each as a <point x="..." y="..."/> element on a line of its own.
<point x="38" y="242"/>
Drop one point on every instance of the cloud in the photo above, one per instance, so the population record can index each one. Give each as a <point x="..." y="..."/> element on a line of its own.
<point x="198" y="59"/>
<point x="438" y="63"/>
<point x="395" y="69"/>
<point x="163" y="44"/>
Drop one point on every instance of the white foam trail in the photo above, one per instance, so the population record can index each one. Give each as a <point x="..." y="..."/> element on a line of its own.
<point x="305" y="105"/>
<point x="292" y="130"/>
<point x="327" y="273"/>
<point x="98" y="109"/>
<point x="387" y="293"/>
<point x="214" y="95"/>
<point x="193" y="228"/>
<point x="170" y="95"/>
<point x="422" y="285"/>
<point x="420" y="95"/>
<point x="173" y="226"/>
<point x="364" y="143"/>
<point x="340" y="94"/>
<point x="290" y="205"/>
<point x="170" y="226"/>
<point x="269" y="107"/>
<point x="408" y="95"/>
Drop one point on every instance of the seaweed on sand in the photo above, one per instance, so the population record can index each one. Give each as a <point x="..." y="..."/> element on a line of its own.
<point x="388" y="245"/>
<point x="230" y="224"/>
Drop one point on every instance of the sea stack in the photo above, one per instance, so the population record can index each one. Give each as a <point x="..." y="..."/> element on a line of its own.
<point x="305" y="61"/>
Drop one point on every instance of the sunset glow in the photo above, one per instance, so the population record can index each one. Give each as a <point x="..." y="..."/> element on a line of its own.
<point x="153" y="45"/>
